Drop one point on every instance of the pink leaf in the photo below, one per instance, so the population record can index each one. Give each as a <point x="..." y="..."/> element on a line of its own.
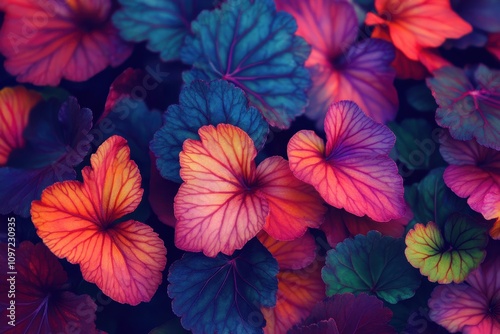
<point x="354" y="171"/>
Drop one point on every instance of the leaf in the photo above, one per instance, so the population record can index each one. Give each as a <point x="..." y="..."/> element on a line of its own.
<point x="15" y="107"/>
<point x="470" y="307"/>
<point x="298" y="292"/>
<point x="449" y="255"/>
<point x="291" y="255"/>
<point x="469" y="103"/>
<point x="42" y="303"/>
<point x="361" y="314"/>
<point x="73" y="40"/>
<point x="226" y="200"/>
<point x="354" y="170"/>
<point x="77" y="221"/>
<point x="371" y="264"/>
<point x="164" y="25"/>
<point x="259" y="54"/>
<point x="203" y="103"/>
<point x="293" y="205"/>
<point x="224" y="294"/>
<point x="420" y="98"/>
<point x="432" y="200"/>
<point x="56" y="139"/>
<point x="417" y="144"/>
<point x="340" y="225"/>
<point x="215" y="212"/>
<point x="342" y="69"/>
<point x="473" y="172"/>
<point x="417" y="24"/>
<point x="334" y="36"/>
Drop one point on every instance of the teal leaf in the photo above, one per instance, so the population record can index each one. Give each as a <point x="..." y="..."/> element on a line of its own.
<point x="253" y="46"/>
<point x="469" y="103"/>
<point x="202" y="103"/>
<point x="372" y="264"/>
<point x="163" y="24"/>
<point x="224" y="294"/>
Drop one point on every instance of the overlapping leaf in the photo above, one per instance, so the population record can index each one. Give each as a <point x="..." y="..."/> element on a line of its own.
<point x="342" y="69"/>
<point x="42" y="303"/>
<point x="474" y="171"/>
<point x="77" y="221"/>
<point x="491" y="208"/>
<point x="163" y="24"/>
<point x="224" y="294"/>
<point x="372" y="264"/>
<point x="449" y="255"/>
<point x="56" y="139"/>
<point x="260" y="54"/>
<point x="298" y="291"/>
<point x="471" y="307"/>
<point x="291" y="255"/>
<point x="226" y="200"/>
<point x="72" y="39"/>
<point x="417" y="24"/>
<point x="354" y="170"/>
<point x="203" y="103"/>
<point x="15" y="107"/>
<point x="123" y="120"/>
<point x="469" y="103"/>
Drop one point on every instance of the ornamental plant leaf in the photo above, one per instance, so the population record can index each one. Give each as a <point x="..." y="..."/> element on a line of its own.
<point x="469" y="103"/>
<point x="253" y="46"/>
<point x="43" y="303"/>
<point x="353" y="169"/>
<point x="474" y="172"/>
<point x="163" y="24"/>
<point x="450" y="254"/>
<point x="224" y="294"/>
<point x="226" y="199"/>
<point x="342" y="68"/>
<point x="372" y="264"/>
<point x="470" y="307"/>
<point x="55" y="140"/>
<point x="202" y="103"/>
<point x="81" y="221"/>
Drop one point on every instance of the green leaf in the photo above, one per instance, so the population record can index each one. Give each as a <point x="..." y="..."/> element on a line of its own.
<point x="449" y="255"/>
<point x="372" y="264"/>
